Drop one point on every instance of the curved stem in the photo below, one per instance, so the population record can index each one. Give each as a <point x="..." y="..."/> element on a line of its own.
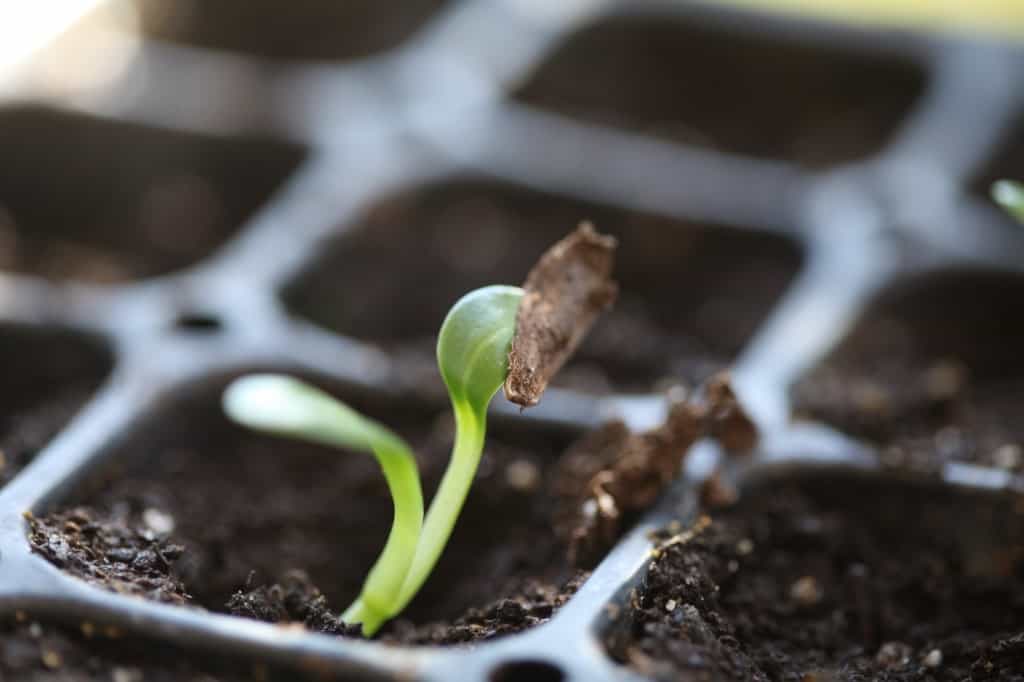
<point x="470" y="429"/>
<point x="376" y="602"/>
<point x="286" y="406"/>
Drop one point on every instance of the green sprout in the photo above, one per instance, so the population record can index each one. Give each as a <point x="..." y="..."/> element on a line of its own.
<point x="472" y="355"/>
<point x="1010" y="195"/>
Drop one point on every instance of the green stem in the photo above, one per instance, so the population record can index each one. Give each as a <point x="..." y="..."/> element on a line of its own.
<point x="375" y="604"/>
<point x="470" y="429"/>
<point x="286" y="406"/>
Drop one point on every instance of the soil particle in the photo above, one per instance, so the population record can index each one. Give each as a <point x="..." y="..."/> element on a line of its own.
<point x="534" y="603"/>
<point x="821" y="582"/>
<point x="716" y="492"/>
<point x="624" y="472"/>
<point x="294" y="600"/>
<point x="728" y="422"/>
<point x="114" y="551"/>
<point x="564" y="294"/>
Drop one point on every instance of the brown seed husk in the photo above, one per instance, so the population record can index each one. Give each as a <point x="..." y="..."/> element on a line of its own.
<point x="565" y="292"/>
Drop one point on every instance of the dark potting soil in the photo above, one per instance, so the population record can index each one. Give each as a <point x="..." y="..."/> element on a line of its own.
<point x="691" y="295"/>
<point x="930" y="374"/>
<point x="48" y="375"/>
<point x="815" y="105"/>
<point x="73" y="209"/>
<point x="835" y="580"/>
<point x="310" y="29"/>
<point x="281" y="530"/>
<point x="115" y="551"/>
<point x="41" y="652"/>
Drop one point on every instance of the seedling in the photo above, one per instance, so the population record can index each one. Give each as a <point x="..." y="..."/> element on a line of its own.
<point x="1010" y="195"/>
<point x="472" y="355"/>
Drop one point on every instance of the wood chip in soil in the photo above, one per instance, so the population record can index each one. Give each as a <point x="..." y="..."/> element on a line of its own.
<point x="612" y="475"/>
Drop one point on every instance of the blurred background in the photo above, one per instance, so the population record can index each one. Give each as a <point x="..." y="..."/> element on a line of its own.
<point x="140" y="134"/>
<point x="432" y="146"/>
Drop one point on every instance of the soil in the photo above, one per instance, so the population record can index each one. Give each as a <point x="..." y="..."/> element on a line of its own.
<point x="310" y="29"/>
<point x="116" y="551"/>
<point x="41" y="652"/>
<point x="818" y="106"/>
<point x="690" y="296"/>
<point x="930" y="374"/>
<point x="48" y="376"/>
<point x="282" y="531"/>
<point x="73" y="210"/>
<point x="822" y="579"/>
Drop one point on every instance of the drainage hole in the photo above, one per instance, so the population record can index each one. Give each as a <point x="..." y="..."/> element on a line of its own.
<point x="527" y="671"/>
<point x="198" y="322"/>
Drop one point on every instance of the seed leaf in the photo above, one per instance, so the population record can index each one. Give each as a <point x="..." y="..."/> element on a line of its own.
<point x="286" y="406"/>
<point x="1010" y="195"/>
<point x="473" y="344"/>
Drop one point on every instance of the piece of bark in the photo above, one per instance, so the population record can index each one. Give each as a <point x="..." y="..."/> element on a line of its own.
<point x="583" y="524"/>
<point x="728" y="423"/>
<point x="612" y="473"/>
<point x="715" y="492"/>
<point x="565" y="292"/>
<point x="624" y="473"/>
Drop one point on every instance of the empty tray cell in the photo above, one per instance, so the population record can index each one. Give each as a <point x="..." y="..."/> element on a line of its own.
<point x="691" y="295"/>
<point x="743" y="93"/>
<point x="93" y="200"/>
<point x="45" y="377"/>
<point x="832" y="576"/>
<point x="931" y="372"/>
<point x="252" y="511"/>
<point x="307" y="29"/>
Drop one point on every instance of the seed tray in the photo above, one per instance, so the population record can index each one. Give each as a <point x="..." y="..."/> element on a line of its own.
<point x="315" y="158"/>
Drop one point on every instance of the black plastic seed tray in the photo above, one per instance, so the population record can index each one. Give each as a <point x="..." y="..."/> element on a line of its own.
<point x="769" y="179"/>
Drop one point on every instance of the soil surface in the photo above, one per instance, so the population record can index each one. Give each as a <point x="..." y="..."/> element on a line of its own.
<point x="690" y="296"/>
<point x="310" y="29"/>
<point x="223" y="519"/>
<point x="931" y="373"/>
<point x="31" y="650"/>
<point x="70" y="209"/>
<point x="817" y="106"/>
<point x="47" y="376"/>
<point x="835" y="579"/>
<point x="114" y="551"/>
